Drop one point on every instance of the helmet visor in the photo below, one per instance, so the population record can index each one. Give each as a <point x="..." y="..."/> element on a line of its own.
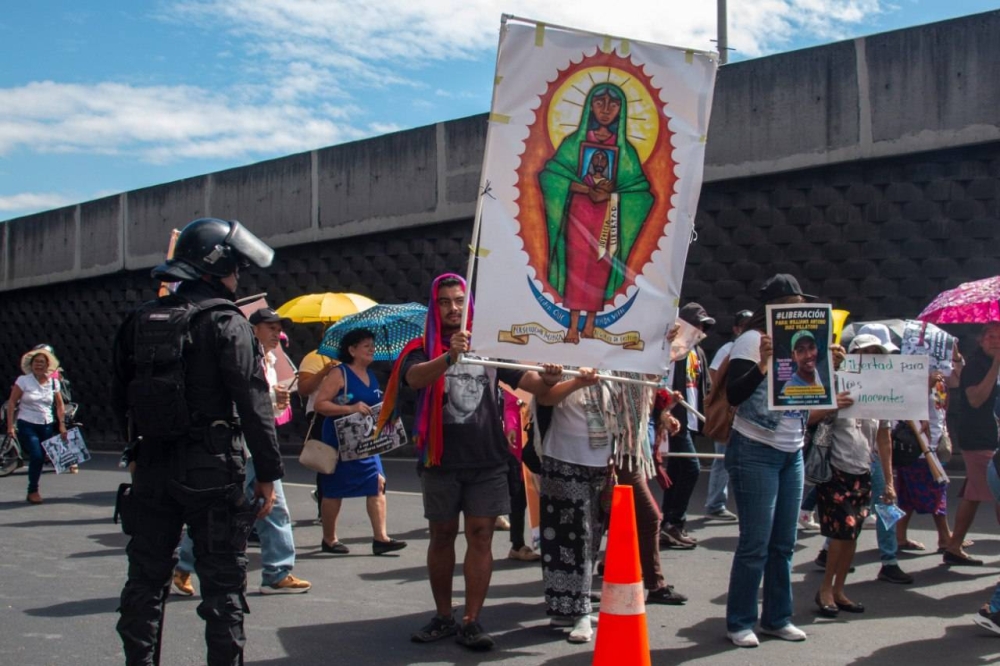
<point x="249" y="248"/>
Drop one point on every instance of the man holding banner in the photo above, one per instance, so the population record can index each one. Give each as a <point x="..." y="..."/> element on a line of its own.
<point x="464" y="454"/>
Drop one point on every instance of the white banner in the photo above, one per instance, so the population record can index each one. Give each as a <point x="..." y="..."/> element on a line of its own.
<point x="593" y="166"/>
<point x="885" y="386"/>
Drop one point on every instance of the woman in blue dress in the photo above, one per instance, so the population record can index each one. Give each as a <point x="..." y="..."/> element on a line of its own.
<point x="352" y="389"/>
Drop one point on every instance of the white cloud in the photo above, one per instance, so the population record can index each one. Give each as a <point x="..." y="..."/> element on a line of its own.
<point x="162" y="124"/>
<point x="34" y="201"/>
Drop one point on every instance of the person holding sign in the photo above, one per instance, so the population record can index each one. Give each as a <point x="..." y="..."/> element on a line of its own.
<point x="845" y="500"/>
<point x="764" y="461"/>
<point x="352" y="388"/>
<point x="38" y="393"/>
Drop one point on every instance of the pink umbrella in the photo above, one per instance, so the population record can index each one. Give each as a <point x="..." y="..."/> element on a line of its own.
<point x="968" y="303"/>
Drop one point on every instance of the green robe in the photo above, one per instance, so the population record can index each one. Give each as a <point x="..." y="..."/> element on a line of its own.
<point x="635" y="199"/>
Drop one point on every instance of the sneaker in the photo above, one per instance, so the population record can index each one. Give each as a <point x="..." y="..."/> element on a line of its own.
<point x="287" y="585"/>
<point x="666" y="595"/>
<point x="789" y="632"/>
<point x="745" y="638"/>
<point x="502" y="524"/>
<point x="383" y="547"/>
<point x="182" y="583"/>
<point x="891" y="573"/>
<point x="523" y="554"/>
<point x="438" y="628"/>
<point x="672" y="537"/>
<point x="806" y="521"/>
<point x="472" y="636"/>
<point x="987" y="620"/>
<point x="723" y="514"/>
<point x="582" y="631"/>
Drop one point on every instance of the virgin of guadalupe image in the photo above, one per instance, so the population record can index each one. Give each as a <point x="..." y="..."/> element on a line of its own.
<point x="596" y="199"/>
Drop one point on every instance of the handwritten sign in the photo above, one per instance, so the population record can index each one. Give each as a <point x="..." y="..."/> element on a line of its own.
<point x="356" y="435"/>
<point x="885" y="386"/>
<point x="66" y="454"/>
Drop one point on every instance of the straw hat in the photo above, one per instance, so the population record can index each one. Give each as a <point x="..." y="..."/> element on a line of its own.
<point x="26" y="360"/>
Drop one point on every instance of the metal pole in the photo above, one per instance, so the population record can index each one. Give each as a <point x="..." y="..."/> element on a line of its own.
<point x="723" y="37"/>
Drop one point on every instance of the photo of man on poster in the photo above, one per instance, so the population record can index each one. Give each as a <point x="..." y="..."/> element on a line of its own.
<point x="801" y="373"/>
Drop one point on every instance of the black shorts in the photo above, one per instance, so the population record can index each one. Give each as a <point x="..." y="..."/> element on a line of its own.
<point x="479" y="492"/>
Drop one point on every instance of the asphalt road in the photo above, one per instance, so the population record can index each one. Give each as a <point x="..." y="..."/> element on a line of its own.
<point x="63" y="565"/>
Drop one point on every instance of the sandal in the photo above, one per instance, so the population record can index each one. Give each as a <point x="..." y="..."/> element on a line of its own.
<point x="910" y="544"/>
<point x="968" y="543"/>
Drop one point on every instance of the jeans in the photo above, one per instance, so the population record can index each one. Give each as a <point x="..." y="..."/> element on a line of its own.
<point x="31" y="436"/>
<point x="277" y="546"/>
<point x="683" y="473"/>
<point x="718" y="482"/>
<point x="767" y="486"/>
<point x="887" y="544"/>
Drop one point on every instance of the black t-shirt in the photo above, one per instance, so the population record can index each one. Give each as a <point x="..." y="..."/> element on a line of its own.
<point x="473" y="416"/>
<point x="977" y="425"/>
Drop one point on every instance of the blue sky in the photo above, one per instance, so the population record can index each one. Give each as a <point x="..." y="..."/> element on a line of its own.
<point x="106" y="96"/>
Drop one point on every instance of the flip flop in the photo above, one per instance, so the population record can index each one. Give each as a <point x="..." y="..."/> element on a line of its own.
<point x="910" y="544"/>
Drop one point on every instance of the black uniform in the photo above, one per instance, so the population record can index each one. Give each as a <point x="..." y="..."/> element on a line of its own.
<point x="197" y="480"/>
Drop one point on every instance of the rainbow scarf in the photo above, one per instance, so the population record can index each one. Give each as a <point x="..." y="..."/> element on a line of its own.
<point x="428" y="434"/>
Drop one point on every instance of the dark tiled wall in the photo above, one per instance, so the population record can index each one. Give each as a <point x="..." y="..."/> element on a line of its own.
<point x="879" y="238"/>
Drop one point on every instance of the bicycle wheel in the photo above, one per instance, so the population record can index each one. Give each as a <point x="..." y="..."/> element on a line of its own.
<point x="10" y="456"/>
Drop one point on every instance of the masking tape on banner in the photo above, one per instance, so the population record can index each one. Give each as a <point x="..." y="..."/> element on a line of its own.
<point x="703" y="139"/>
<point x="499" y="118"/>
<point x="689" y="57"/>
<point x="624" y="47"/>
<point x="481" y="252"/>
<point x="623" y="599"/>
<point x="606" y="47"/>
<point x="497" y="80"/>
<point x="539" y="34"/>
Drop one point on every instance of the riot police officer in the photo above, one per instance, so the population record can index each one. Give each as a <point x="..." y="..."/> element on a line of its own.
<point x="182" y="364"/>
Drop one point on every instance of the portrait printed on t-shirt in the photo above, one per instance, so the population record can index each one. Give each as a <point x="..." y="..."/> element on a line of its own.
<point x="465" y="387"/>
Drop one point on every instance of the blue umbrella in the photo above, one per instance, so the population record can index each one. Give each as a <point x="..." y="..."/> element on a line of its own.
<point x="393" y="326"/>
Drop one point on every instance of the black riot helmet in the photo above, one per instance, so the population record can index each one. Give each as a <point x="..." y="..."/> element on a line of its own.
<point x="210" y="246"/>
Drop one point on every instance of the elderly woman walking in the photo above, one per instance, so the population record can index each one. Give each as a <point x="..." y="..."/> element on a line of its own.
<point x="39" y="407"/>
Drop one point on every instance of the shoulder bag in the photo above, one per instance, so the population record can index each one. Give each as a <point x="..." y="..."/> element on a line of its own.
<point x="718" y="412"/>
<point x="817" y="455"/>
<point x="317" y="455"/>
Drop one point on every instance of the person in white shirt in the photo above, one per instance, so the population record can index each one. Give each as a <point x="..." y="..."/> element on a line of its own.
<point x="39" y="411"/>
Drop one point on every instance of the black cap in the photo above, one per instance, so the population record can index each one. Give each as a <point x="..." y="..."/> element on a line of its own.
<point x="779" y="286"/>
<point x="696" y="315"/>
<point x="742" y="317"/>
<point x="266" y="315"/>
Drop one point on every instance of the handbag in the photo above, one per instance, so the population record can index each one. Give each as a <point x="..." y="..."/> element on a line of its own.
<point x="719" y="413"/>
<point x="817" y="458"/>
<point x="905" y="446"/>
<point x="944" y="448"/>
<point x="317" y="455"/>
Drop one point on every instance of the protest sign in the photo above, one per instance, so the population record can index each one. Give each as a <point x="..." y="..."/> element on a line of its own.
<point x="591" y="175"/>
<point x="66" y="454"/>
<point x="356" y="435"/>
<point x="922" y="338"/>
<point x="885" y="386"/>
<point x="800" y="375"/>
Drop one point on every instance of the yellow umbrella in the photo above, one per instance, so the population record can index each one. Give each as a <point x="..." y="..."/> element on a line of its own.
<point x="324" y="308"/>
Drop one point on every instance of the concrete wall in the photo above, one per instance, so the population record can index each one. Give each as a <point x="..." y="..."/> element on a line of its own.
<point x="897" y="93"/>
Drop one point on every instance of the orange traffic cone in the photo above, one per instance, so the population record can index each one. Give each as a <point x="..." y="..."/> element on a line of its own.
<point x="622" y="638"/>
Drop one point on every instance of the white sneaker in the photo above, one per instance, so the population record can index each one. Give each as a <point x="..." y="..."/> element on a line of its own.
<point x="563" y="621"/>
<point x="806" y="521"/>
<point x="582" y="630"/>
<point x="745" y="638"/>
<point x="789" y="632"/>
